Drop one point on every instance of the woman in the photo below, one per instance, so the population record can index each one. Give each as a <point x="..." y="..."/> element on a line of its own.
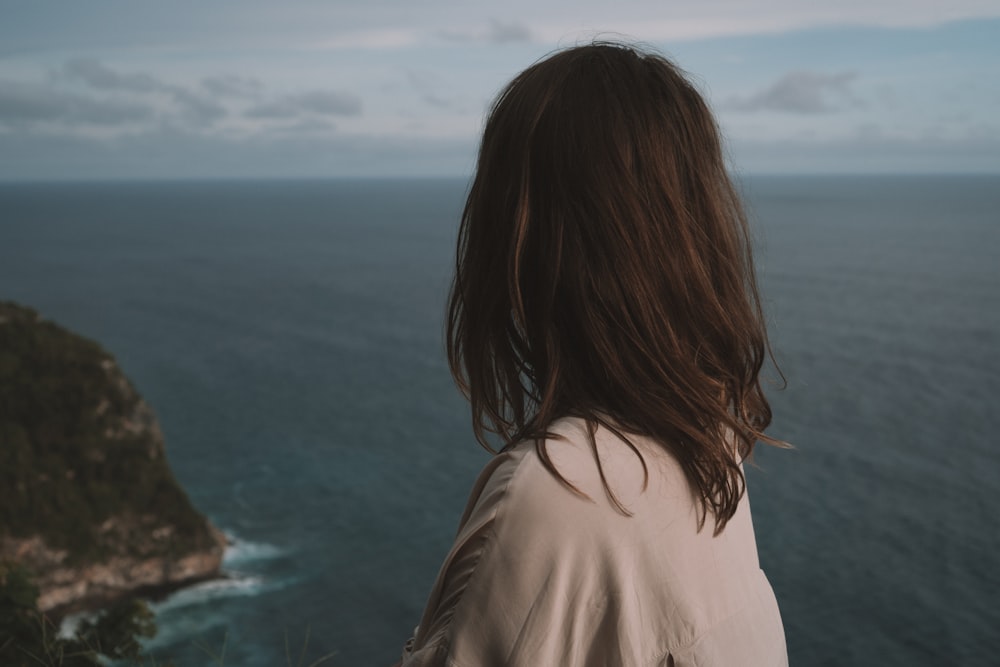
<point x="604" y="322"/>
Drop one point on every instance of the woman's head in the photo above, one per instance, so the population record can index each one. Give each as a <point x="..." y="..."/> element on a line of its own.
<point x="604" y="268"/>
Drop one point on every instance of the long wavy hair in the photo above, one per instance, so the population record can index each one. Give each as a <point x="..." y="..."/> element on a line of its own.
<point x="604" y="271"/>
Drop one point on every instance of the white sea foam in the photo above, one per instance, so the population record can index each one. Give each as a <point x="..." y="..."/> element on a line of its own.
<point x="234" y="584"/>
<point x="70" y="623"/>
<point x="241" y="552"/>
<point x="238" y="580"/>
<point x="192" y="615"/>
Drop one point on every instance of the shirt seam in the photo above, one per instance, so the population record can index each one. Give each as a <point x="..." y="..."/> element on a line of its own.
<point x="701" y="635"/>
<point x="490" y="542"/>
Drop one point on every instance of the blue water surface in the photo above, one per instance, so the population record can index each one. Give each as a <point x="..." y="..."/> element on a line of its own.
<point x="289" y="336"/>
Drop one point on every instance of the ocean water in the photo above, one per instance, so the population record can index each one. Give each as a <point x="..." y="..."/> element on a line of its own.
<point x="288" y="335"/>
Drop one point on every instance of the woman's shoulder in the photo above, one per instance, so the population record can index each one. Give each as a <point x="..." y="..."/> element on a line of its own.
<point x="601" y="462"/>
<point x="573" y="485"/>
<point x="541" y="573"/>
<point x="653" y="533"/>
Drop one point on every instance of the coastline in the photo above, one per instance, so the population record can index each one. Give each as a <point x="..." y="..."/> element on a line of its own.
<point x="90" y="587"/>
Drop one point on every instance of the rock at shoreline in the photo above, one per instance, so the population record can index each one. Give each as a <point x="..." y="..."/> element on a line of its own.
<point x="87" y="499"/>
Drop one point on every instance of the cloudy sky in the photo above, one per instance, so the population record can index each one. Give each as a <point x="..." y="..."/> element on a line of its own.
<point x="225" y="89"/>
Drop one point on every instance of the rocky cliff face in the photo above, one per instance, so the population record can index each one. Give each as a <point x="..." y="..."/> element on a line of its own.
<point x="87" y="500"/>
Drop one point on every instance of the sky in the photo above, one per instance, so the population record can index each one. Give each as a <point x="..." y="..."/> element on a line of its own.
<point x="138" y="89"/>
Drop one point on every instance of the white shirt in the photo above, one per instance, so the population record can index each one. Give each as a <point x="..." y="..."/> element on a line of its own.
<point x="539" y="575"/>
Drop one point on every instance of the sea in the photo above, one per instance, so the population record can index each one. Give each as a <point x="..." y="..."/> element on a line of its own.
<point x="288" y="334"/>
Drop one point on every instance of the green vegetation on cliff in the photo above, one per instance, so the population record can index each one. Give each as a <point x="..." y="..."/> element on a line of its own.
<point x="29" y="639"/>
<point x="83" y="475"/>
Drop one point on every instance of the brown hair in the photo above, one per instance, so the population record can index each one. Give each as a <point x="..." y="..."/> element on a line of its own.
<point x="604" y="271"/>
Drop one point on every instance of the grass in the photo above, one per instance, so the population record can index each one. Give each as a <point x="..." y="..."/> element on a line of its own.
<point x="29" y="638"/>
<point x="219" y="658"/>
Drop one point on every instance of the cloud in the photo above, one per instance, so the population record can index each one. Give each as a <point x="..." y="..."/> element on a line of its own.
<point x="800" y="92"/>
<point x="869" y="155"/>
<point x="192" y="107"/>
<point x="110" y="99"/>
<point x="96" y="75"/>
<point x="223" y="27"/>
<point x="388" y="38"/>
<point x="196" y="108"/>
<point x="425" y="83"/>
<point x="231" y="85"/>
<point x="497" y="32"/>
<point x="316" y="128"/>
<point x="22" y="104"/>
<point x="169" y="152"/>
<point x="504" y="32"/>
<point x="321" y="102"/>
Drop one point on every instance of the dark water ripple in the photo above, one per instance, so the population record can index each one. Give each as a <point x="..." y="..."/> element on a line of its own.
<point x="289" y="337"/>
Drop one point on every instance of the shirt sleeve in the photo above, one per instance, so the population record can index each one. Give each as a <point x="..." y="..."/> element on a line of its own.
<point x="542" y="575"/>
<point x="432" y="640"/>
<point x="527" y="581"/>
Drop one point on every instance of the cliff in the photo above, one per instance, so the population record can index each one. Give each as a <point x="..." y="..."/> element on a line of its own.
<point x="87" y="500"/>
